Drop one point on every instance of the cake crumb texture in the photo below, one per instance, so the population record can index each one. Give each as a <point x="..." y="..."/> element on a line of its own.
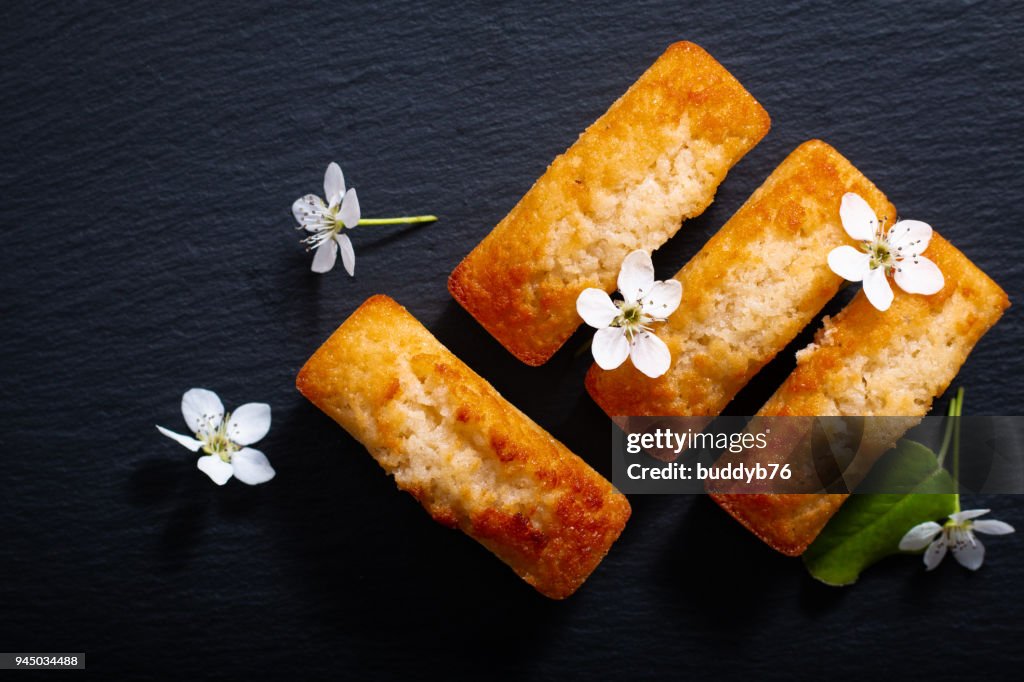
<point x="752" y="288"/>
<point x="654" y="159"/>
<point x="864" y="362"/>
<point x="466" y="454"/>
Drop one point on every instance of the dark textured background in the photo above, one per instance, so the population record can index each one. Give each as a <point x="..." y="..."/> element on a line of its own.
<point x="148" y="160"/>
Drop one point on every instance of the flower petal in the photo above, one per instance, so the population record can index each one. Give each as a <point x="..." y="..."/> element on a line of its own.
<point x="190" y="443"/>
<point x="249" y="423"/>
<point x="596" y="308"/>
<point x="908" y="237"/>
<point x="349" y="214"/>
<point x="992" y="527"/>
<point x="348" y="255"/>
<point x="217" y="469"/>
<point x="858" y="217"/>
<point x="325" y="256"/>
<point x="334" y="184"/>
<point x="650" y="355"/>
<point x="251" y="466"/>
<point x="202" y="409"/>
<point x="877" y="289"/>
<point x="920" y="536"/>
<point x="936" y="551"/>
<point x="967" y="549"/>
<point x="309" y="212"/>
<point x="663" y="298"/>
<point x="610" y="347"/>
<point x="918" y="275"/>
<point x="968" y="514"/>
<point x="849" y="263"/>
<point x="636" y="276"/>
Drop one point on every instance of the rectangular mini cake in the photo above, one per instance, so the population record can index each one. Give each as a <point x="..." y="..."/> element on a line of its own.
<point x="654" y="159"/>
<point x="865" y="362"/>
<point x="752" y="288"/>
<point x="466" y="454"/>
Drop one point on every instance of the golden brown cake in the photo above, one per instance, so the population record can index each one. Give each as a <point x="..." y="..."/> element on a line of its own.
<point x="752" y="288"/>
<point x="654" y="159"/>
<point x="864" y="362"/>
<point x="471" y="458"/>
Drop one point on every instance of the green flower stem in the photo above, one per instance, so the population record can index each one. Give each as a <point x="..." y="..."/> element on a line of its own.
<point x="952" y="437"/>
<point x="404" y="220"/>
<point x="583" y="349"/>
<point x="947" y="435"/>
<point x="959" y="401"/>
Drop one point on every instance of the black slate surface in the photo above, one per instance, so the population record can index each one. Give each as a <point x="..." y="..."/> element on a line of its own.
<point x="149" y="156"/>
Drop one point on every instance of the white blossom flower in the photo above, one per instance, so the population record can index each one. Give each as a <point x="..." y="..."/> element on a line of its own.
<point x="896" y="252"/>
<point x="326" y="221"/>
<point x="623" y="327"/>
<point x="224" y="437"/>
<point x="956" y="534"/>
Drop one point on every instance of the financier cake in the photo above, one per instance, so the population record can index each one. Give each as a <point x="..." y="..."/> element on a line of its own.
<point x="654" y="159"/>
<point x="752" y="288"/>
<point x="865" y="362"/>
<point x="466" y="454"/>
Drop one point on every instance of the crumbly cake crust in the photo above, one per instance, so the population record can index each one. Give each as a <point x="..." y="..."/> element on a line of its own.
<point x="654" y="159"/>
<point x="466" y="454"/>
<point x="752" y="288"/>
<point x="864" y="362"/>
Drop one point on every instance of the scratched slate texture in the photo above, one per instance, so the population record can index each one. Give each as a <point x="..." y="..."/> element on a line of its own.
<point x="149" y="156"/>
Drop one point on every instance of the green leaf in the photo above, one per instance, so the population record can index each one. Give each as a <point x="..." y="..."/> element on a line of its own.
<point x="869" y="527"/>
